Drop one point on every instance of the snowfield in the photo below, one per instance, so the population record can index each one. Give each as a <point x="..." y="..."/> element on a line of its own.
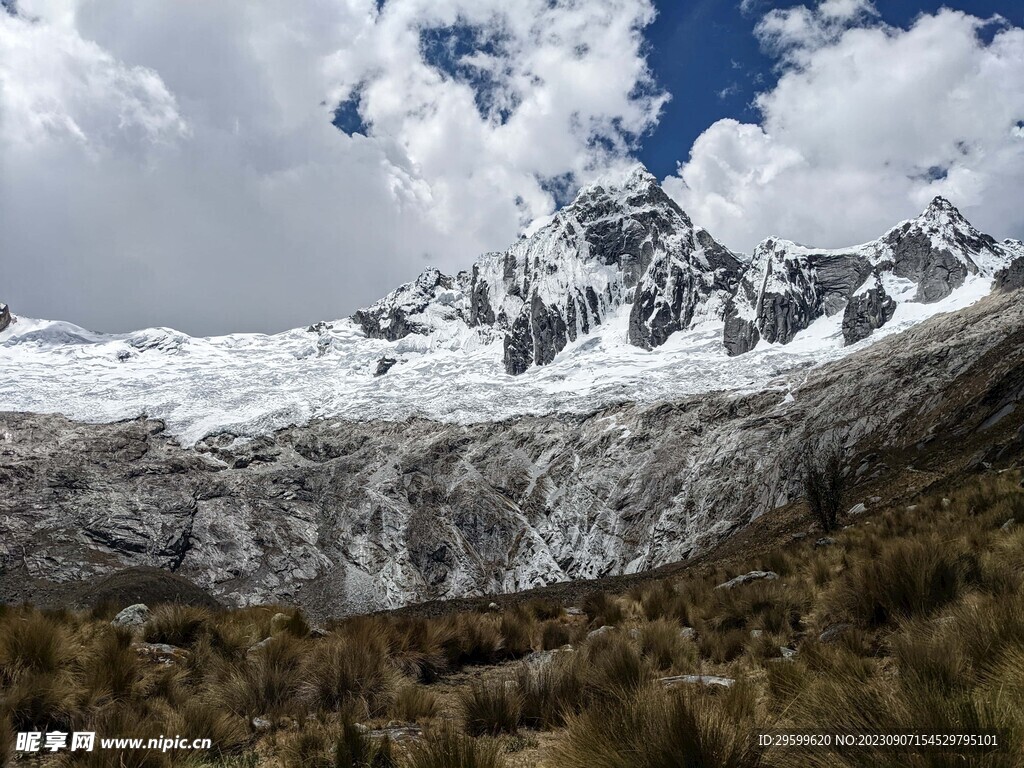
<point x="252" y="384"/>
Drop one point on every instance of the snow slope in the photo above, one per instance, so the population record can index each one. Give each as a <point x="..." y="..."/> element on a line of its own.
<point x="250" y="384"/>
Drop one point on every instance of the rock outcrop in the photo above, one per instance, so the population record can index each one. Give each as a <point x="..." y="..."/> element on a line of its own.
<point x="5" y="316"/>
<point x="1011" y="277"/>
<point x="867" y="310"/>
<point x="789" y="286"/>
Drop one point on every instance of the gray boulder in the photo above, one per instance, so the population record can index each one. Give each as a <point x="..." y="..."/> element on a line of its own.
<point x="132" y="616"/>
<point x="747" y="578"/>
<point x="707" y="680"/>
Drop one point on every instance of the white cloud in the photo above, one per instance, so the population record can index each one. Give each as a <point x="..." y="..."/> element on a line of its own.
<point x="174" y="163"/>
<point x="864" y="126"/>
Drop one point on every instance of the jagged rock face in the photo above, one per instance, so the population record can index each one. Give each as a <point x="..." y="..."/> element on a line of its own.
<point x="343" y="516"/>
<point x="616" y="243"/>
<point x="676" y="288"/>
<point x="613" y="245"/>
<point x="789" y="286"/>
<point x="867" y="311"/>
<point x="1011" y="277"/>
<point x="5" y="316"/>
<point x="433" y="299"/>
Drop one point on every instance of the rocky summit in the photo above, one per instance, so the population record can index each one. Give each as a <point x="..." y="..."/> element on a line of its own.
<point x="619" y="242"/>
<point x="614" y="393"/>
<point x="625" y="242"/>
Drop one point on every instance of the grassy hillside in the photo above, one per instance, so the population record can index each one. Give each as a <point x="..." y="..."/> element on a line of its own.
<point x="911" y="618"/>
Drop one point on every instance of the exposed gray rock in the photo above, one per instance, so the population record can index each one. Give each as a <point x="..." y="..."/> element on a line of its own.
<point x="5" y="316"/>
<point x="1010" y="278"/>
<point x="132" y="616"/>
<point x="824" y="541"/>
<point x="708" y="680"/>
<point x="789" y="286"/>
<point x="618" y="242"/>
<point x="600" y="631"/>
<point x="261" y="724"/>
<point x="833" y="633"/>
<point x="867" y="312"/>
<point x="384" y="365"/>
<point x="688" y="633"/>
<point x="746" y="578"/>
<point x="1008" y="525"/>
<point x="405" y="310"/>
<point x="787" y="653"/>
<point x="857" y="509"/>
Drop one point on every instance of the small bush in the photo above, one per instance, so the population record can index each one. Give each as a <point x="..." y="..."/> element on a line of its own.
<point x="908" y="578"/>
<point x="722" y="647"/>
<point x="517" y="632"/>
<point x="474" y="639"/>
<point x="614" y="665"/>
<point x="662" y="645"/>
<point x="356" y="750"/>
<point x="32" y="643"/>
<point x="174" y="624"/>
<point x="603" y="609"/>
<point x="112" y="668"/>
<point x="445" y="747"/>
<point x="414" y="702"/>
<point x="268" y="683"/>
<point x="554" y="634"/>
<point x="337" y="672"/>
<point x="824" y="485"/>
<point x="490" y="708"/>
<point x="544" y="609"/>
<point x="653" y="728"/>
<point x="551" y="691"/>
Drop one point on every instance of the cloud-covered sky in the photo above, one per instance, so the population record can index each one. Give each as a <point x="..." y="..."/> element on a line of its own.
<point x="240" y="165"/>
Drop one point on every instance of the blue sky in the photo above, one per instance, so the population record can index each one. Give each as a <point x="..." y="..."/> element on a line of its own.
<point x="706" y="55"/>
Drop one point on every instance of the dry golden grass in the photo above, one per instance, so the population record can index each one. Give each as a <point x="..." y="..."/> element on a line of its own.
<point x="932" y="596"/>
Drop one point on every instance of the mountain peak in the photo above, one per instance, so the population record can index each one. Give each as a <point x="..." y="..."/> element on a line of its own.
<point x="941" y="208"/>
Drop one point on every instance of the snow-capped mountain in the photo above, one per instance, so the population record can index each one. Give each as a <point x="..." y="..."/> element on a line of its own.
<point x="920" y="261"/>
<point x="621" y="241"/>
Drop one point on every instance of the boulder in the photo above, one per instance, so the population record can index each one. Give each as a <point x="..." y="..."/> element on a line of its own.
<point x="132" y="616"/>
<point x="747" y="578"/>
<point x="600" y="631"/>
<point x="708" y="680"/>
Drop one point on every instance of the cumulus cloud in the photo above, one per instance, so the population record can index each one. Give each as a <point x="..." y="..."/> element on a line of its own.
<point x="865" y="125"/>
<point x="175" y="163"/>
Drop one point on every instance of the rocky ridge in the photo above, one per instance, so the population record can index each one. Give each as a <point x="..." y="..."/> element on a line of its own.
<point x="625" y="242"/>
<point x="621" y="241"/>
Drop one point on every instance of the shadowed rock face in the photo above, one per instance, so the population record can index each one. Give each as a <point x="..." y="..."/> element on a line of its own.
<point x="343" y="516"/>
<point x="1011" y="277"/>
<point x="5" y="316"/>
<point x="866" y="312"/>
